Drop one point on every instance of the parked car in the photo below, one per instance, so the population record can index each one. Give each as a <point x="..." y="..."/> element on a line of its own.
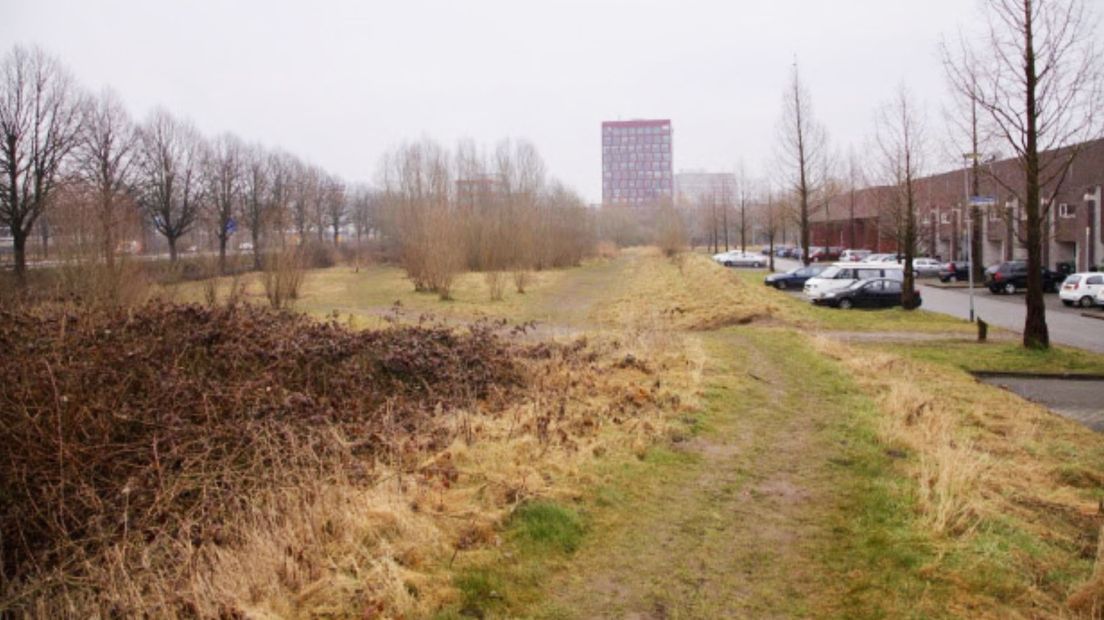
<point x="824" y="255"/>
<point x="246" y="247"/>
<point x="736" y="258"/>
<point x="1010" y="276"/>
<point x="1100" y="298"/>
<point x="876" y="293"/>
<point x="926" y="267"/>
<point x="794" y="278"/>
<point x="1081" y="289"/>
<point x="841" y="275"/>
<point x="857" y="256"/>
<point x="954" y="270"/>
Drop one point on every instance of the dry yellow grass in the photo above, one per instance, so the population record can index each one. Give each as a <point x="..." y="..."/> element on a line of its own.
<point x="688" y="291"/>
<point x="340" y="550"/>
<point x="982" y="457"/>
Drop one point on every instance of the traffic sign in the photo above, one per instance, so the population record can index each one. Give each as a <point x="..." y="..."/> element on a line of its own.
<point x="983" y="201"/>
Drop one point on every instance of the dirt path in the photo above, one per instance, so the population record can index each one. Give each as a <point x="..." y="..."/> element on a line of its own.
<point x="732" y="535"/>
<point x="571" y="301"/>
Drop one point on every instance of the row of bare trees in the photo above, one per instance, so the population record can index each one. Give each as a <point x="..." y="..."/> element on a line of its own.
<point x="1030" y="82"/>
<point x="84" y="161"/>
<point x="443" y="212"/>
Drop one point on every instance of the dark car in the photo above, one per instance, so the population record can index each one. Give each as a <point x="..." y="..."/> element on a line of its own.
<point x="876" y="293"/>
<point x="958" y="271"/>
<point x="794" y="278"/>
<point x="1010" y="276"/>
<point x="824" y="255"/>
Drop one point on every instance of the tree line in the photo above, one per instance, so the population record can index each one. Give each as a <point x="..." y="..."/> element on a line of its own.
<point x="81" y="162"/>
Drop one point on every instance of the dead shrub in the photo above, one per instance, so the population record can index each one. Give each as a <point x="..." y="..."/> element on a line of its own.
<point x="522" y="278"/>
<point x="606" y="249"/>
<point x="143" y="434"/>
<point x="283" y="276"/>
<point x="496" y="284"/>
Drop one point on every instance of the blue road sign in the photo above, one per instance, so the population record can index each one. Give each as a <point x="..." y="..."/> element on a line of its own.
<point x="231" y="226"/>
<point x="983" y="201"/>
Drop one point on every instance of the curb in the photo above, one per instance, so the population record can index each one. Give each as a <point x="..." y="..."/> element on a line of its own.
<point x="1094" y="315"/>
<point x="1000" y="374"/>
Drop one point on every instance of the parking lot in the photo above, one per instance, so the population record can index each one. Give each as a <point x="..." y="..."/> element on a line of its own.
<point x="1067" y="326"/>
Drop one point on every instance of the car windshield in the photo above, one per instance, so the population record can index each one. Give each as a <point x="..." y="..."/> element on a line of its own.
<point x="829" y="273"/>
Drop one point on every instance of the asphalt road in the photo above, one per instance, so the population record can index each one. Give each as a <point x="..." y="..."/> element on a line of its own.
<point x="1066" y="325"/>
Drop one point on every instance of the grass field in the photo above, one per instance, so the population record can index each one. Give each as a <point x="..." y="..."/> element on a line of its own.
<point x="801" y="474"/>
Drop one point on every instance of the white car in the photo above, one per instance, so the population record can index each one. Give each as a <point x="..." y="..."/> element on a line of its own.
<point x="736" y="258"/>
<point x="926" y="267"/>
<point x="1083" y="289"/>
<point x="841" y="275"/>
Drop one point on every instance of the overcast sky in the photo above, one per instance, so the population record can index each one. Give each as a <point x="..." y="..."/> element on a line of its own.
<point x="339" y="83"/>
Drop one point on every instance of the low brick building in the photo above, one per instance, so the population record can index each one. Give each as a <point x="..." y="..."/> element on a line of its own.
<point x="1075" y="223"/>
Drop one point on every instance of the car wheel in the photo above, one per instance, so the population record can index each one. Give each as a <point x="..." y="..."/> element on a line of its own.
<point x="1009" y="288"/>
<point x="845" y="304"/>
<point x="728" y="263"/>
<point x="780" y="286"/>
<point x="944" y="280"/>
<point x="1086" y="302"/>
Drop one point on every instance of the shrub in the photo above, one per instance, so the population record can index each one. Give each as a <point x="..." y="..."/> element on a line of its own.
<point x="283" y="276"/>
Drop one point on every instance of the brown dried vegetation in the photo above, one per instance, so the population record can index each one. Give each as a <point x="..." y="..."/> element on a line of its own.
<point x="189" y="461"/>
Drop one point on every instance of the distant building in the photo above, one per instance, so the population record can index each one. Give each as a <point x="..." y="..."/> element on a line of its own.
<point x="1073" y="233"/>
<point x="693" y="188"/>
<point x="637" y="163"/>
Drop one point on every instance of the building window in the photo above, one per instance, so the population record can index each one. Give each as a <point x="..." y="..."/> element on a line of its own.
<point x="944" y="218"/>
<point x="1066" y="211"/>
<point x="994" y="215"/>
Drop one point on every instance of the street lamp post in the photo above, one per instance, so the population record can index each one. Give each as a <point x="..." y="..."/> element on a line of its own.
<point x="969" y="229"/>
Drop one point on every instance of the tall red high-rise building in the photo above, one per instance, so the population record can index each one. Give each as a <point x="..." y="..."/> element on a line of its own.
<point x="636" y="162"/>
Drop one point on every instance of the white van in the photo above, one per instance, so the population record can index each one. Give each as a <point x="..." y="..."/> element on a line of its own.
<point x="844" y="274"/>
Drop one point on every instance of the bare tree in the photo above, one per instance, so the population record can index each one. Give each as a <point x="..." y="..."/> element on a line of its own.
<point x="281" y="170"/>
<point x="170" y="157"/>
<point x="337" y="206"/>
<point x="802" y="148"/>
<point x="771" y="221"/>
<point x="257" y="200"/>
<point x="901" y="140"/>
<point x="105" y="160"/>
<point x="223" y="186"/>
<point x="1037" y="78"/>
<point x="743" y="195"/>
<point x="855" y="181"/>
<point x="39" y="126"/>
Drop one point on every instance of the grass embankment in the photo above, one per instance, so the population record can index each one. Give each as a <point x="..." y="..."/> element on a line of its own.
<point x="688" y="292"/>
<point x="772" y="500"/>
<point x="1010" y="491"/>
<point x="946" y="497"/>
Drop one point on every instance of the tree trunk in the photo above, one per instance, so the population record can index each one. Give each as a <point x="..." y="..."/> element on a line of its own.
<point x="1036" y="335"/>
<point x="19" y="243"/>
<point x="222" y="238"/>
<point x="256" y="249"/>
<point x="172" y="249"/>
